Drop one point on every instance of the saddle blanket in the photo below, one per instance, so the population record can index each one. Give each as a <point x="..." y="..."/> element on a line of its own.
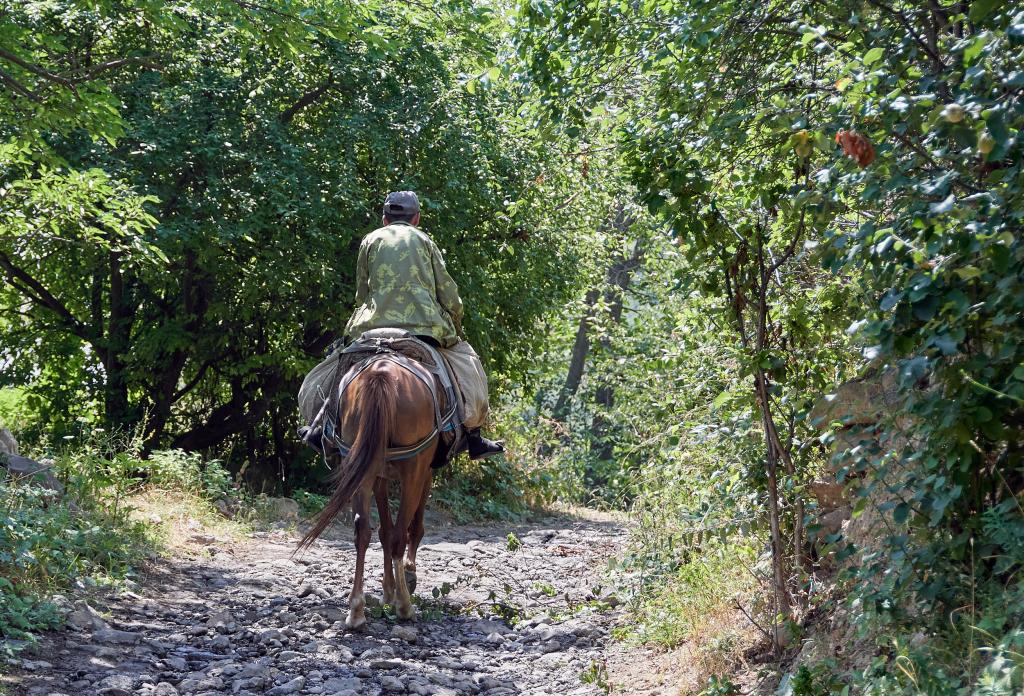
<point x="460" y="361"/>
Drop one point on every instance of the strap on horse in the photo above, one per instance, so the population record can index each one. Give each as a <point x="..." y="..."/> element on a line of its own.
<point x="332" y="431"/>
<point x="382" y="341"/>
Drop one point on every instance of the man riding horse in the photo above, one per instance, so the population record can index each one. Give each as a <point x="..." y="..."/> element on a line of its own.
<point x="402" y="283"/>
<point x="382" y="421"/>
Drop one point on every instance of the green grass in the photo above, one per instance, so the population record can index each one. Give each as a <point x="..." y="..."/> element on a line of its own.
<point x="697" y="600"/>
<point x="117" y="509"/>
<point x="692" y="602"/>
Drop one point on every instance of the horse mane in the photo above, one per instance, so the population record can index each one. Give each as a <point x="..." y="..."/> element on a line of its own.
<point x="375" y="394"/>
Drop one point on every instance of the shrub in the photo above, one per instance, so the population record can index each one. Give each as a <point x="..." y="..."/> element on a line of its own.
<point x="188" y="472"/>
<point x="47" y="545"/>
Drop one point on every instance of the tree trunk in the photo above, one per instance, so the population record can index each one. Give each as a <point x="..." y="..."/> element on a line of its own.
<point x="773" y="449"/>
<point x="580" y="349"/>
<point x="750" y="276"/>
<point x="620" y="275"/>
<point x="248" y="404"/>
<point x="617" y="279"/>
<point x="116" y="345"/>
<point x="783" y="606"/>
<point x="192" y="305"/>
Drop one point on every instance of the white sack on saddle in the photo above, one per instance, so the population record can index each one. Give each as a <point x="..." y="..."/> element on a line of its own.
<point x="320" y="376"/>
<point x="470" y="380"/>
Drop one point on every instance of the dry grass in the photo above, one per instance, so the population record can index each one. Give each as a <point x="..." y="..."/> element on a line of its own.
<point x="688" y="625"/>
<point x="179" y="521"/>
<point x="715" y="646"/>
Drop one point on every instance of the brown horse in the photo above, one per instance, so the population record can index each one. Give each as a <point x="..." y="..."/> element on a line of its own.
<point x="386" y="406"/>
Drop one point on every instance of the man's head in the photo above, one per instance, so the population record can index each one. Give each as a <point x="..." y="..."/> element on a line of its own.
<point x="402" y="206"/>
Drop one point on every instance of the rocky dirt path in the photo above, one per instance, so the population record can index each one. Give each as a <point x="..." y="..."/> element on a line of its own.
<point x="248" y="618"/>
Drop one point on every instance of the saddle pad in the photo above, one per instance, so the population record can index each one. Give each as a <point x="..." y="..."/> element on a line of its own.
<point x="323" y="385"/>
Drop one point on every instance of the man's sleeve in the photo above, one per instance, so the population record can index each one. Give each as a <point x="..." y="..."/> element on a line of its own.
<point x="447" y="290"/>
<point x="362" y="287"/>
<point x="362" y="274"/>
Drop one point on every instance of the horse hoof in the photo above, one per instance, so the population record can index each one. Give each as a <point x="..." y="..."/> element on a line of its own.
<point x="406" y="613"/>
<point x="410" y="580"/>
<point x="355" y="623"/>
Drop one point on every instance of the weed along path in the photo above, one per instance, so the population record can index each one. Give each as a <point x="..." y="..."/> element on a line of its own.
<point x="496" y="615"/>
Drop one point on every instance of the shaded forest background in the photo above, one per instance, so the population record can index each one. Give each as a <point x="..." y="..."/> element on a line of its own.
<point x="733" y="267"/>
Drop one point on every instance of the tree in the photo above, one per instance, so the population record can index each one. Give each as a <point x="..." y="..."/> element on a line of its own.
<point x="253" y="147"/>
<point x="878" y="140"/>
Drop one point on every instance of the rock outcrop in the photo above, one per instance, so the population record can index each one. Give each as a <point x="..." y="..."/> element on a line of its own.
<point x="13" y="465"/>
<point x="863" y="415"/>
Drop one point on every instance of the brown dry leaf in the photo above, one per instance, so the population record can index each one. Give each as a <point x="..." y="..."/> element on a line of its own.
<point x="856" y="146"/>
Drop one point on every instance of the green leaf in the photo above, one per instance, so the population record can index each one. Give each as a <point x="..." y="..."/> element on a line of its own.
<point x="721" y="399"/>
<point x="975" y="47"/>
<point x="873" y="56"/>
<point x="967" y="272"/>
<point x="981" y="9"/>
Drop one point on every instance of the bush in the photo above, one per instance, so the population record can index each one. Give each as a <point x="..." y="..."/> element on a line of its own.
<point x="48" y="545"/>
<point x="188" y="472"/>
<point x="493" y="488"/>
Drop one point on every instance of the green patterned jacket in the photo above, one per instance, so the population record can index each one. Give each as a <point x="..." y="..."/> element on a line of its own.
<point x="402" y="283"/>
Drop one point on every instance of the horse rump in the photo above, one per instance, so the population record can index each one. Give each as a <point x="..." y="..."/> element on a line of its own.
<point x="374" y="395"/>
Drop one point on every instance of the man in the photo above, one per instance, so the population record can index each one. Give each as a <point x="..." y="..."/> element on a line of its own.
<point x="402" y="283"/>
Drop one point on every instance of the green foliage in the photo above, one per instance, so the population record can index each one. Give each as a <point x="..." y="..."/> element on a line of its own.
<point x="21" y="616"/>
<point x="720" y="686"/>
<point x="690" y="597"/>
<point x="821" y="191"/>
<point x="16" y="411"/>
<point x="728" y="113"/>
<point x="188" y="472"/>
<point x="309" y="503"/>
<point x="48" y="545"/>
<point x="88" y="537"/>
<point x="182" y="232"/>
<point x="818" y="680"/>
<point x="597" y="674"/>
<point x="493" y="488"/>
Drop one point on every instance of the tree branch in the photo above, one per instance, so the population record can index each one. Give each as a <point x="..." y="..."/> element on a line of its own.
<point x="18" y="87"/>
<point x="192" y="383"/>
<point x="42" y="296"/>
<point x="305" y="100"/>
<point x="145" y="62"/>
<point x="902" y="19"/>
<point x="68" y="80"/>
<point x="35" y="69"/>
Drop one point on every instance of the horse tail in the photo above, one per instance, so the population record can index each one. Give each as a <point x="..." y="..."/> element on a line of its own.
<point x="375" y="402"/>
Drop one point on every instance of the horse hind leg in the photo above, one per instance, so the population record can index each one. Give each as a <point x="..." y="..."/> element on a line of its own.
<point x="403" y="599"/>
<point x="380" y="493"/>
<point x="415" y="537"/>
<point x="414" y="480"/>
<point x="356" y="599"/>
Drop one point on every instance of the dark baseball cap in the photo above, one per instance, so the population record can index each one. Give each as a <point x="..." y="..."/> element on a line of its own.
<point x="401" y="203"/>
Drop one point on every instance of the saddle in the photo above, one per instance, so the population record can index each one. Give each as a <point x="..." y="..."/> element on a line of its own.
<point x="331" y="379"/>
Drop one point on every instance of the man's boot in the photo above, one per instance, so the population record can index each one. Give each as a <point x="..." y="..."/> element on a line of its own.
<point x="310" y="436"/>
<point x="479" y="446"/>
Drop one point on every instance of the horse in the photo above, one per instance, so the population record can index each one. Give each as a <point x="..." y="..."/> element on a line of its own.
<point x="386" y="406"/>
